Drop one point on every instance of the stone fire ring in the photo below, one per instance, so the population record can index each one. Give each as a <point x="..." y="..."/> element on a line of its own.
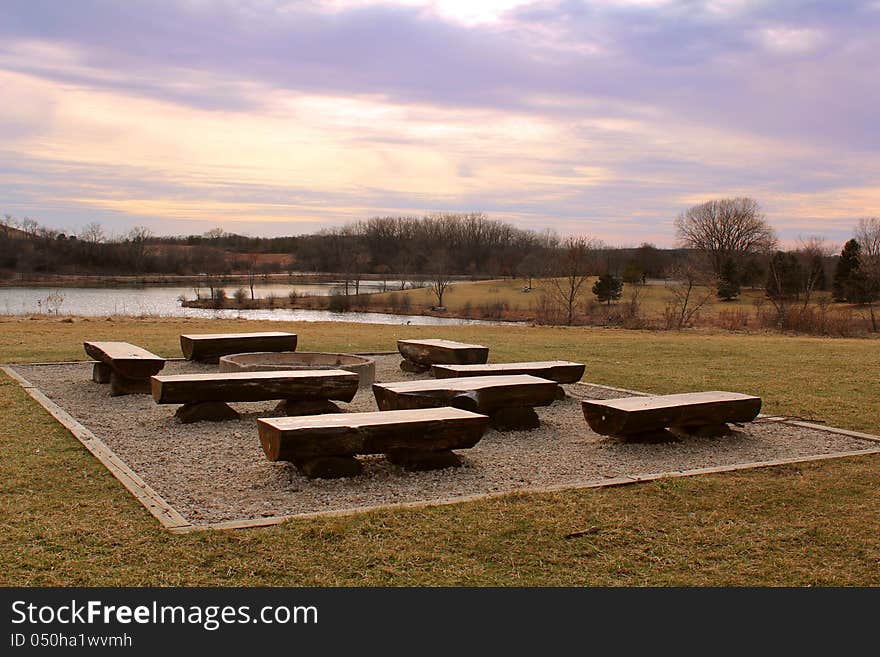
<point x="264" y="361"/>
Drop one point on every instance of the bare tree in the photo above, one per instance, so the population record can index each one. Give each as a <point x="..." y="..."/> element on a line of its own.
<point x="251" y="265"/>
<point x="531" y="266"/>
<point x="92" y="233"/>
<point x="404" y="266"/>
<point x="383" y="270"/>
<point x="690" y="290"/>
<point x="570" y="270"/>
<point x="360" y="260"/>
<point x="725" y="228"/>
<point x="812" y="253"/>
<point x="136" y="240"/>
<point x="441" y="278"/>
<point x="868" y="236"/>
<point x="30" y="227"/>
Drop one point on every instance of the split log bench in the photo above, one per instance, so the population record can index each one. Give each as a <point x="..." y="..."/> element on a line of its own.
<point x="205" y="396"/>
<point x="648" y="418"/>
<point x="209" y="347"/>
<point x="420" y="355"/>
<point x="509" y="401"/>
<point x="325" y="445"/>
<point x="126" y="367"/>
<point x="561" y="371"/>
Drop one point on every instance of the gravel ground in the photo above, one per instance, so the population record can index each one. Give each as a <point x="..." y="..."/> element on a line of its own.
<point x="212" y="472"/>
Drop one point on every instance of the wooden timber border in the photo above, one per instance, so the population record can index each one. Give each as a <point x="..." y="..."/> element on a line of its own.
<point x="174" y="522"/>
<point x="154" y="503"/>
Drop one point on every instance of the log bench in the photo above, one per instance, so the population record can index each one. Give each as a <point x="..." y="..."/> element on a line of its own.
<point x="206" y="396"/>
<point x="561" y="371"/>
<point x="650" y="418"/>
<point x="509" y="400"/>
<point x="325" y="445"/>
<point x="209" y="347"/>
<point x="420" y="355"/>
<point x="126" y="367"/>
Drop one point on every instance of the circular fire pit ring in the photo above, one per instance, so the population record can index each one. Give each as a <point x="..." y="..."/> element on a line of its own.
<point x="265" y="361"/>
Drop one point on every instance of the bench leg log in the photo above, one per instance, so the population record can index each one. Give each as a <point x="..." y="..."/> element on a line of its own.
<point x="408" y="365"/>
<point x="329" y="467"/>
<point x="293" y="407"/>
<point x="714" y="430"/>
<point x="648" y="436"/>
<point x="514" y="419"/>
<point x="101" y="373"/>
<point x="206" y="411"/>
<point x="412" y="459"/>
<point x="122" y="385"/>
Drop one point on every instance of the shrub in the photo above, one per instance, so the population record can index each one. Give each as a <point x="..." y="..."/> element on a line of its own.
<point x="271" y="299"/>
<point x="292" y="297"/>
<point x="362" y="302"/>
<point x="631" y="315"/>
<point x="548" y="311"/>
<point x="240" y="295"/>
<point x="735" y="319"/>
<point x="339" y="303"/>
<point x="220" y="298"/>
<point x="493" y="309"/>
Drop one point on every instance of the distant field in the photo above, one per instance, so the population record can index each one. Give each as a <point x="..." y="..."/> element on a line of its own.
<point x="510" y="299"/>
<point x="513" y="292"/>
<point x="66" y="521"/>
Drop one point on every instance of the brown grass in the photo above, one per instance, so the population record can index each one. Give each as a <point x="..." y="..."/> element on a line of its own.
<point x="66" y="521"/>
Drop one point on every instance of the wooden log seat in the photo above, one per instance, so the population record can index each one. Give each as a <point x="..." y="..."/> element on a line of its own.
<point x="325" y="445"/>
<point x="205" y="396"/>
<point x="419" y="355"/>
<point x="209" y="347"/>
<point x="561" y="371"/>
<point x="508" y="400"/>
<point x="126" y="367"/>
<point x="700" y="413"/>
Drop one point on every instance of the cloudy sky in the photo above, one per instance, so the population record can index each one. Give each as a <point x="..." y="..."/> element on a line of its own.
<point x="281" y="117"/>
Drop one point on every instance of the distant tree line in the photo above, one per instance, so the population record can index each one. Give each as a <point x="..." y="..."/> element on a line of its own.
<point x="393" y="247"/>
<point x="724" y="246"/>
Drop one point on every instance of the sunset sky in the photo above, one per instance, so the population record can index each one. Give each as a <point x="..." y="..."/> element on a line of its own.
<point x="598" y="118"/>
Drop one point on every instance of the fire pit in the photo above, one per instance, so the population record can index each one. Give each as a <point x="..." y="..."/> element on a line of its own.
<point x="300" y="360"/>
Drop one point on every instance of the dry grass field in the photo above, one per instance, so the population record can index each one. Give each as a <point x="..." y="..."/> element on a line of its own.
<point x="67" y="521"/>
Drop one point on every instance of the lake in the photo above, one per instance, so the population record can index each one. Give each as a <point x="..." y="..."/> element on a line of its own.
<point x="163" y="302"/>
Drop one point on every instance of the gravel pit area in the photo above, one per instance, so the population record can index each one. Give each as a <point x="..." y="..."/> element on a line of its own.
<point x="214" y="472"/>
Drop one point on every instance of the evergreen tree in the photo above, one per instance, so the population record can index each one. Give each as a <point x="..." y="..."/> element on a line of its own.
<point x="608" y="288"/>
<point x="858" y="288"/>
<point x="846" y="278"/>
<point x="728" y="281"/>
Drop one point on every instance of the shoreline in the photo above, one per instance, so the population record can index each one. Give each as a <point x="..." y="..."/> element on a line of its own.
<point x="324" y="304"/>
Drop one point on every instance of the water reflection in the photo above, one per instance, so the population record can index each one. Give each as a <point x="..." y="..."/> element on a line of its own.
<point x="163" y="302"/>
